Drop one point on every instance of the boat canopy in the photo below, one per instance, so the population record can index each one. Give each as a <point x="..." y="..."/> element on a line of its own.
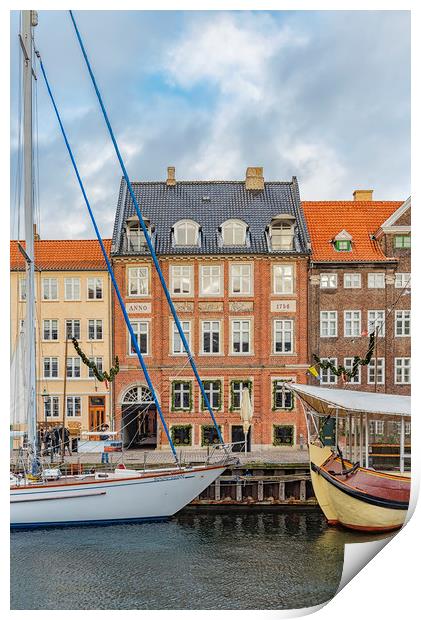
<point x="325" y="401"/>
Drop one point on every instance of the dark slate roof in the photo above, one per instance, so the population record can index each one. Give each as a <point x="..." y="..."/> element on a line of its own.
<point x="164" y="206"/>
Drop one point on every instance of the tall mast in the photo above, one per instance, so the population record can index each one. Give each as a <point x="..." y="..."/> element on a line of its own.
<point x="28" y="21"/>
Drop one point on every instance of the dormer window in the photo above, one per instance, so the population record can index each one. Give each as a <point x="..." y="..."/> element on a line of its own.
<point x="186" y="233"/>
<point x="343" y="242"/>
<point x="281" y="232"/>
<point x="234" y="232"/>
<point x="136" y="240"/>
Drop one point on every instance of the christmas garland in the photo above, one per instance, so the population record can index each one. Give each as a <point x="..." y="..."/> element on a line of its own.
<point x="340" y="371"/>
<point x="217" y="382"/>
<point x="187" y="441"/>
<point x="101" y="376"/>
<point x="246" y="383"/>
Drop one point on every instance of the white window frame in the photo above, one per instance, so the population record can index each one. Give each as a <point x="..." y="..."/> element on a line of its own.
<point x="402" y="364"/>
<point x="330" y="319"/>
<point x="287" y="280"/>
<point x="72" y="323"/>
<point x="134" y="276"/>
<point x="99" y="363"/>
<point x="177" y="347"/>
<point x="181" y="275"/>
<point x="182" y="392"/>
<point x="352" y="280"/>
<point x="282" y="233"/>
<point x="238" y="232"/>
<point x="242" y="331"/>
<point x="379" y="368"/>
<point x="376" y="318"/>
<point x="403" y="280"/>
<point x="328" y="280"/>
<point x="283" y="327"/>
<point x="402" y="323"/>
<point x="73" y="368"/>
<point x="211" y="271"/>
<point x="49" y="285"/>
<point x="376" y="280"/>
<point x="355" y="315"/>
<point x="140" y="327"/>
<point x="348" y="364"/>
<point x="333" y="379"/>
<point x="47" y="327"/>
<point x="96" y="324"/>
<point x="53" y="410"/>
<point x="245" y="281"/>
<point x="181" y="228"/>
<point x="211" y="330"/>
<point x="210" y="394"/>
<point x="73" y="399"/>
<point x="54" y="361"/>
<point x="74" y="285"/>
<point x="97" y="285"/>
<point x="22" y="289"/>
<point x="244" y="383"/>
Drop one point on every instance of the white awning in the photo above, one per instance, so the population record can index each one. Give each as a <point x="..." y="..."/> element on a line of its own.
<point x="326" y="400"/>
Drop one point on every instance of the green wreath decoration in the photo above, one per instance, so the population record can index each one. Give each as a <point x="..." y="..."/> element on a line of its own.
<point x="340" y="371"/>
<point x="101" y="376"/>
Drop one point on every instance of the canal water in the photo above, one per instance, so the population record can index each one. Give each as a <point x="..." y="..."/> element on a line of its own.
<point x="214" y="559"/>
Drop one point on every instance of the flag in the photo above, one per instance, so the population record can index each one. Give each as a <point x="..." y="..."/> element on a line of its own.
<point x="312" y="370"/>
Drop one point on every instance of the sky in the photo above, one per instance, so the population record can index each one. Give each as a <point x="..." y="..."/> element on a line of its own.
<point x="322" y="95"/>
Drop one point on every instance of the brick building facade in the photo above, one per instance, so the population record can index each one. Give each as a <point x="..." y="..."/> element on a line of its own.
<point x="359" y="281"/>
<point x="234" y="255"/>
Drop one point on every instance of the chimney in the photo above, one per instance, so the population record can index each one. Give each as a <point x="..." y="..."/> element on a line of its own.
<point x="170" y="176"/>
<point x="363" y="194"/>
<point x="254" y="178"/>
<point x="36" y="235"/>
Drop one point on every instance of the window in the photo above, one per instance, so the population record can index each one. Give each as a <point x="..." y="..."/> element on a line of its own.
<point x="282" y="234"/>
<point x="50" y="367"/>
<point x="49" y="289"/>
<point x="73" y="328"/>
<point x="283" y="335"/>
<point x="348" y="363"/>
<point x="283" y="435"/>
<point x="181" y="434"/>
<point x="282" y="396"/>
<point x="283" y="279"/>
<point x="328" y="324"/>
<point x="186" y="233"/>
<point x="181" y="395"/>
<point x="22" y="289"/>
<point x="73" y="367"/>
<point x="327" y="376"/>
<point x="402" y="370"/>
<point x="402" y="241"/>
<point x="342" y="245"/>
<point x="138" y="281"/>
<point x="240" y="336"/>
<point x="376" y="427"/>
<point x="209" y="435"/>
<point x="375" y="280"/>
<point x="141" y="330"/>
<point x="136" y="239"/>
<point x="240" y="279"/>
<point x="375" y="367"/>
<point x="99" y="364"/>
<point x="177" y="345"/>
<point x="50" y="329"/>
<point x="213" y="391"/>
<point x="73" y="406"/>
<point x="402" y="280"/>
<point x="328" y="280"/>
<point x="210" y="280"/>
<point x="181" y="280"/>
<point x="237" y="388"/>
<point x="376" y="322"/>
<point x="51" y="407"/>
<point x="72" y="289"/>
<point x="95" y="329"/>
<point x="234" y="232"/>
<point x="402" y="322"/>
<point x="94" y="288"/>
<point x="407" y="428"/>
<point x="211" y="340"/>
<point x="352" y="280"/>
<point x="352" y="323"/>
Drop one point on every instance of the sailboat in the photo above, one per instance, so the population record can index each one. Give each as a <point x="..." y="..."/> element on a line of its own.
<point x="351" y="492"/>
<point x="120" y="495"/>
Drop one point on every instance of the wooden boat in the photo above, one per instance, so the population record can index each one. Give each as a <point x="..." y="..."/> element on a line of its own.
<point x="350" y="494"/>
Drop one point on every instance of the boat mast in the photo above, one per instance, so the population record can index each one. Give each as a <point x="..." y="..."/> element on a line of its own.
<point x="29" y="19"/>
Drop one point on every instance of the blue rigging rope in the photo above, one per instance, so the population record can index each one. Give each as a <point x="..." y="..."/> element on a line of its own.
<point x="147" y="237"/>
<point x="110" y="269"/>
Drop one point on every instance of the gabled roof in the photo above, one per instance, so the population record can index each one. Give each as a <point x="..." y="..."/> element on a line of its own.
<point x="62" y="255"/>
<point x="396" y="215"/>
<point x="211" y="203"/>
<point x="360" y="219"/>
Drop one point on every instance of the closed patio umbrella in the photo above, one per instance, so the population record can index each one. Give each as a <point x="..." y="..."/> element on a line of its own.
<point x="246" y="412"/>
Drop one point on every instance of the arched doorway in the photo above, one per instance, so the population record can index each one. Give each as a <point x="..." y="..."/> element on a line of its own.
<point x="138" y="418"/>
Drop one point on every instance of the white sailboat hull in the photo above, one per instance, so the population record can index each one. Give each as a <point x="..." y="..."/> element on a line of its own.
<point x="119" y="498"/>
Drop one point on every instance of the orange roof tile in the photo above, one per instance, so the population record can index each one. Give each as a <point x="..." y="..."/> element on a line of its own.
<point x="63" y="255"/>
<point x="361" y="219"/>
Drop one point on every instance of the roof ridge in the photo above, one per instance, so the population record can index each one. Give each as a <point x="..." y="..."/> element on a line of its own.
<point x="198" y="182"/>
